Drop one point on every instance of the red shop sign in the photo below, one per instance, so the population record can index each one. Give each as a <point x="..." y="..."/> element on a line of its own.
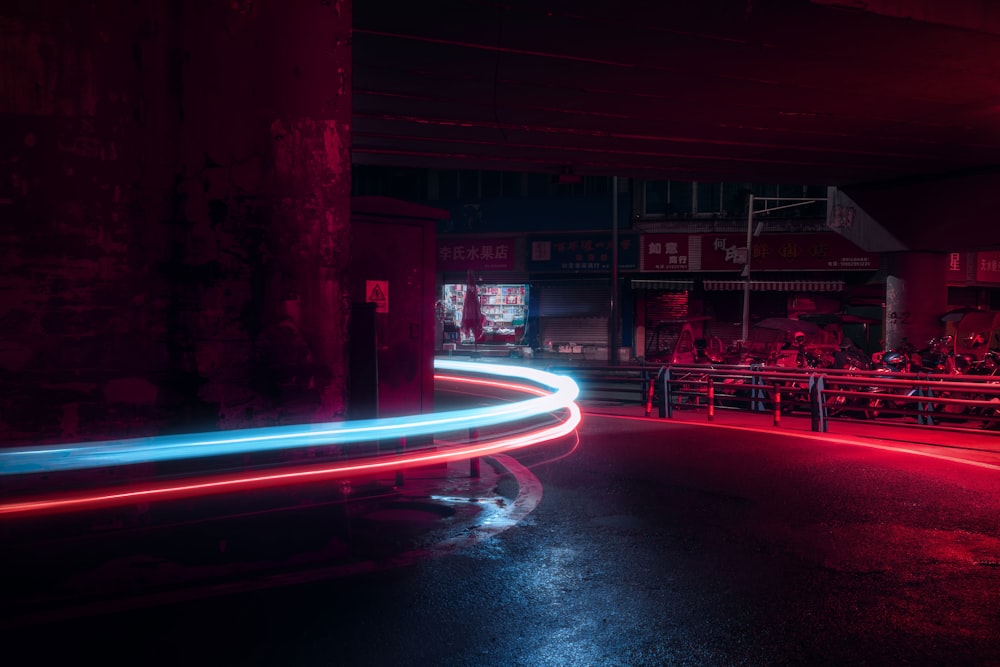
<point x="786" y="252"/>
<point x="988" y="267"/>
<point x="669" y="252"/>
<point x="479" y="254"/>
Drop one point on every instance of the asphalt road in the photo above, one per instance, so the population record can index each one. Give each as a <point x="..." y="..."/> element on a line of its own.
<point x="651" y="543"/>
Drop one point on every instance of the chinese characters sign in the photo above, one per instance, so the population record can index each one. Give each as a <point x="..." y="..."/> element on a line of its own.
<point x="768" y="252"/>
<point x="582" y="253"/>
<point x="670" y="252"/>
<point x="479" y="254"/>
<point x="988" y="267"/>
<point x="957" y="262"/>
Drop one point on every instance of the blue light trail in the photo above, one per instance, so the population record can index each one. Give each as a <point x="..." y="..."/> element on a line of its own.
<point x="78" y="456"/>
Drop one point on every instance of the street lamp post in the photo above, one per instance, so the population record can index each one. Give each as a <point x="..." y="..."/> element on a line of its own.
<point x="751" y="233"/>
<point x="745" y="333"/>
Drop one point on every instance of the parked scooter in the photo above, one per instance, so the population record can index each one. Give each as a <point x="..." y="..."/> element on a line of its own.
<point x="939" y="358"/>
<point x="796" y="354"/>
<point x="849" y="358"/>
<point x="989" y="365"/>
<point x="891" y="362"/>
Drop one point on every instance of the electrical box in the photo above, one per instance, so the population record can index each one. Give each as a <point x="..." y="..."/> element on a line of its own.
<point x="393" y="270"/>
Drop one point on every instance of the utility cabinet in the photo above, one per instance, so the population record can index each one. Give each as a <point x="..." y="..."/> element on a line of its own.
<point x="393" y="271"/>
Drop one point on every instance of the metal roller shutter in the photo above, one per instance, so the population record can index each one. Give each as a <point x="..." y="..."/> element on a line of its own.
<point x="662" y="306"/>
<point x="574" y="312"/>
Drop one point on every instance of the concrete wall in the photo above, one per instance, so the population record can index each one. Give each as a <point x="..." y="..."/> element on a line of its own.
<point x="174" y="225"/>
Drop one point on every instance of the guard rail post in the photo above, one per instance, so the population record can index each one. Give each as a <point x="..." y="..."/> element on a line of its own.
<point x="643" y="385"/>
<point x="474" y="461"/>
<point x="816" y="403"/>
<point x="925" y="409"/>
<point x="667" y="398"/>
<point x="756" y="392"/>
<point x="650" y="387"/>
<point x="711" y="399"/>
<point x="400" y="449"/>
<point x="920" y="404"/>
<point x="777" y="406"/>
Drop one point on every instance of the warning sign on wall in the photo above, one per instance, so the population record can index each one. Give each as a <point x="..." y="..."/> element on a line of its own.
<point x="377" y="292"/>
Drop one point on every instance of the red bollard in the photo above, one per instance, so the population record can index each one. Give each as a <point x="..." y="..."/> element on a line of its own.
<point x="711" y="400"/>
<point x="474" y="462"/>
<point x="400" y="448"/>
<point x="777" y="407"/>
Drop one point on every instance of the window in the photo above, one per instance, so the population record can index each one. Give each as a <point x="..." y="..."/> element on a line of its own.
<point x="680" y="198"/>
<point x="447" y="185"/>
<point x="655" y="200"/>
<point x="709" y="198"/>
<point x="468" y="185"/>
<point x="539" y="185"/>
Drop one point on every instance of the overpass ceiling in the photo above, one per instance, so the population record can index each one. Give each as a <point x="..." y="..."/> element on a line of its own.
<point x="766" y="91"/>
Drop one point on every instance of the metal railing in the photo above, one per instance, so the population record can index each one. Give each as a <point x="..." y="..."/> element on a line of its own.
<point x="824" y="394"/>
<point x="627" y="384"/>
<point x="959" y="401"/>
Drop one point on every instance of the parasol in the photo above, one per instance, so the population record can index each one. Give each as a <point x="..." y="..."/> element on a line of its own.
<point x="956" y="314"/>
<point x="788" y="325"/>
<point x="472" y="316"/>
<point x="823" y="319"/>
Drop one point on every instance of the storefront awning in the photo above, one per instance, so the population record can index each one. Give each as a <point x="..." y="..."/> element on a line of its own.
<point x="778" y="285"/>
<point x="669" y="285"/>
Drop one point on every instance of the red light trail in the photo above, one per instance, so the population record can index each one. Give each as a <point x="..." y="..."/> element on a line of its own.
<point x="223" y="483"/>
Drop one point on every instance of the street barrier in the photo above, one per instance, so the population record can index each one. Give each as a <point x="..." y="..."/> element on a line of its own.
<point x="970" y="402"/>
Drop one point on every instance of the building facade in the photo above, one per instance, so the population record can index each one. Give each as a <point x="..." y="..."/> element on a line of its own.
<point x="677" y="250"/>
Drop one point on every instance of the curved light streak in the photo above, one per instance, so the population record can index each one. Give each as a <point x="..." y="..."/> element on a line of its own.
<point x="224" y="483"/>
<point x="77" y="456"/>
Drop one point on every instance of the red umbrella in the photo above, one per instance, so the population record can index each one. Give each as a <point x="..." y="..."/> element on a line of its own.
<point x="472" y="316"/>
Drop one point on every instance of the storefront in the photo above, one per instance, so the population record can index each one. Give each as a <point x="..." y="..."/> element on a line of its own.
<point x="570" y="277"/>
<point x="504" y="309"/>
<point x="496" y="264"/>
<point x="659" y="301"/>
<point x="792" y="274"/>
<point x="573" y="315"/>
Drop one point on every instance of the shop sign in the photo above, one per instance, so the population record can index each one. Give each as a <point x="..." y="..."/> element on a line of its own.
<point x="478" y="254"/>
<point x="785" y="252"/>
<point x="670" y="252"/>
<point x="582" y="253"/>
<point x="956" y="267"/>
<point x="988" y="267"/>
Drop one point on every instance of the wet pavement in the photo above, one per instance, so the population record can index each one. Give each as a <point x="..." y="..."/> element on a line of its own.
<point x="134" y="557"/>
<point x="646" y="542"/>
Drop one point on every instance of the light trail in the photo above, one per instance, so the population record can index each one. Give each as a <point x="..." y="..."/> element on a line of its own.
<point x="108" y="453"/>
<point x="869" y="441"/>
<point x="222" y="483"/>
<point x="256" y="480"/>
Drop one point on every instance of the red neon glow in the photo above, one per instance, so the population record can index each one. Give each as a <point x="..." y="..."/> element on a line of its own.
<point x="243" y="481"/>
<point x="494" y="383"/>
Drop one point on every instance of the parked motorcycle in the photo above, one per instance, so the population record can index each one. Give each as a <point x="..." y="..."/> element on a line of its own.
<point x="797" y="354"/>
<point x="939" y="359"/>
<point x="892" y="362"/>
<point x="989" y="365"/>
<point x="849" y="358"/>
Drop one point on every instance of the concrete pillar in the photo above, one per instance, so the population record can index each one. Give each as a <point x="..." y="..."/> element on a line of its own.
<point x="176" y="219"/>
<point x="916" y="296"/>
<point x="266" y="103"/>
